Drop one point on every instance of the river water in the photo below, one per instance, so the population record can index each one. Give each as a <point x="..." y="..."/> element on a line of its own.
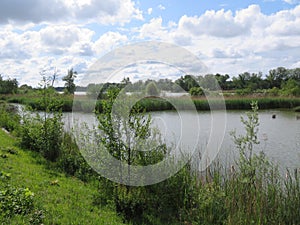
<point x="279" y="138"/>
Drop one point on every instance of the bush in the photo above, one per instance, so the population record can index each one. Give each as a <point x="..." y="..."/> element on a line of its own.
<point x="71" y="161"/>
<point x="15" y="201"/>
<point x="196" y="91"/>
<point x="152" y="90"/>
<point x="42" y="134"/>
<point x="9" y="119"/>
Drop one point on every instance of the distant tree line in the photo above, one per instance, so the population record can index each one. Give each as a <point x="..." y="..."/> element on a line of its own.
<point x="279" y="81"/>
<point x="9" y="86"/>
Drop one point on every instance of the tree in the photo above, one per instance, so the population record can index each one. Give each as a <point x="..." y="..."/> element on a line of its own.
<point x="8" y="86"/>
<point x="277" y="76"/>
<point x="222" y="80"/>
<point x="165" y="84"/>
<point x="209" y="82"/>
<point x="187" y="82"/>
<point x="196" y="91"/>
<point x="152" y="90"/>
<point x="42" y="132"/>
<point x="291" y="87"/>
<point x="126" y="137"/>
<point x="69" y="79"/>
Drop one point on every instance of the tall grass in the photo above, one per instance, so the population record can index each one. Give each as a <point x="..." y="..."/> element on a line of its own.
<point x="159" y="104"/>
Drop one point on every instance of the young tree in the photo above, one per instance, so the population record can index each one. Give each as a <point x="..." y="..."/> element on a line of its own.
<point x="69" y="79"/>
<point x="151" y="89"/>
<point x="42" y="132"/>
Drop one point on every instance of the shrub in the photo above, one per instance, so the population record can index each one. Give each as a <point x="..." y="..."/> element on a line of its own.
<point x="9" y="119"/>
<point x="196" y="91"/>
<point x="152" y="90"/>
<point x="42" y="134"/>
<point x="71" y="161"/>
<point x="15" y="201"/>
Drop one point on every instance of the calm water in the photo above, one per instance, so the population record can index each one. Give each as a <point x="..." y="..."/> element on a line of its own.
<point x="279" y="138"/>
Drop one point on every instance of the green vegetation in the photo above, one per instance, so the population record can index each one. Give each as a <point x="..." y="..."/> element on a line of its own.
<point x="33" y="192"/>
<point x="9" y="86"/>
<point x="45" y="180"/>
<point x="280" y="88"/>
<point x="152" y="90"/>
<point x="196" y="91"/>
<point x="69" y="79"/>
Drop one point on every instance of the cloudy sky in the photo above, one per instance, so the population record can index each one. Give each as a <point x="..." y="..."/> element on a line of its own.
<point x="228" y="36"/>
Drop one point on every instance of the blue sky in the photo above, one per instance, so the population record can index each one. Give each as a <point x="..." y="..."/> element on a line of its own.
<point x="228" y="36"/>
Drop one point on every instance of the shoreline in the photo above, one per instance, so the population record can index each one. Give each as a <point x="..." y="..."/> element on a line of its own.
<point x="150" y="104"/>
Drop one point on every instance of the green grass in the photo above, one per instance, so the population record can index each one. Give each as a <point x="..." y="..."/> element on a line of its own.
<point x="63" y="200"/>
<point x="159" y="104"/>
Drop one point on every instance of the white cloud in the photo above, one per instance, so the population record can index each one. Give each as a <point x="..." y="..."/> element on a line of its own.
<point x="292" y="2"/>
<point x="226" y="41"/>
<point x="285" y="23"/>
<point x="18" y="46"/>
<point x="153" y="29"/>
<point x="215" y="23"/>
<point x="161" y="7"/>
<point x="182" y="40"/>
<point x="113" y="11"/>
<point x="149" y="11"/>
<point x="232" y="42"/>
<point x="64" y="39"/>
<point x="109" y="41"/>
<point x="36" y="11"/>
<point x="31" y="11"/>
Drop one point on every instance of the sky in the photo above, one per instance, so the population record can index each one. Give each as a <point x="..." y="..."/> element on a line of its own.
<point x="229" y="37"/>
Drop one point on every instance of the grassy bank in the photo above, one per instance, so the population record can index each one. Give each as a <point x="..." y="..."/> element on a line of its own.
<point x="159" y="104"/>
<point x="57" y="199"/>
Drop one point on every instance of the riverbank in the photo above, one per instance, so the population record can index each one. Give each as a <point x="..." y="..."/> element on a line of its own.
<point x="84" y="104"/>
<point x="31" y="192"/>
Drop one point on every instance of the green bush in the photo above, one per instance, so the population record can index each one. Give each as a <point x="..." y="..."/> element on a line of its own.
<point x="9" y="119"/>
<point x="72" y="162"/>
<point x="196" y="91"/>
<point x="42" y="134"/>
<point x="16" y="201"/>
<point x="152" y="90"/>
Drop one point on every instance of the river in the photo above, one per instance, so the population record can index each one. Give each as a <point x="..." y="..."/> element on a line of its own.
<point x="279" y="137"/>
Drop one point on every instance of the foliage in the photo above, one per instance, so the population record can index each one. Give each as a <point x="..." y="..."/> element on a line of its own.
<point x="152" y="90"/>
<point x="291" y="88"/>
<point x="42" y="135"/>
<point x="9" y="119"/>
<point x="254" y="189"/>
<point x="187" y="82"/>
<point x="8" y="86"/>
<point x="208" y="82"/>
<point x="196" y="91"/>
<point x="133" y="203"/>
<point x="69" y="202"/>
<point x="69" y="81"/>
<point x="43" y="132"/>
<point x="15" y="201"/>
<point x="245" y="143"/>
<point x="72" y="162"/>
